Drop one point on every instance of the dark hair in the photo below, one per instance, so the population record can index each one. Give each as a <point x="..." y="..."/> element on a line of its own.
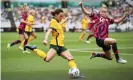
<point x="57" y="11"/>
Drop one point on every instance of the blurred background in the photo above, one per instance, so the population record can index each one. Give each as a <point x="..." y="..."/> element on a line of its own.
<point x="11" y="11"/>
<point x="15" y="65"/>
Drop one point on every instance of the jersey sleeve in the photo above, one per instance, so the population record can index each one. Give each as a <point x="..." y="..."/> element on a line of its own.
<point x="52" y="25"/>
<point x="111" y="21"/>
<point x="93" y="16"/>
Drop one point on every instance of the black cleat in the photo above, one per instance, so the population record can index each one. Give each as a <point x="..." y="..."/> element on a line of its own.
<point x="30" y="47"/>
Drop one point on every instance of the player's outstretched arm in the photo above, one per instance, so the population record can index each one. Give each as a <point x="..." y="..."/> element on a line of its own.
<point x="23" y="21"/>
<point x="45" y="41"/>
<point x="121" y="19"/>
<point x="85" y="11"/>
<point x="66" y="19"/>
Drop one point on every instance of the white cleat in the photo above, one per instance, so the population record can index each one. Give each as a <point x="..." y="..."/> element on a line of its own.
<point x="26" y="52"/>
<point x="122" y="61"/>
<point x="21" y="48"/>
<point x="8" y="45"/>
<point x="87" y="41"/>
<point x="92" y="55"/>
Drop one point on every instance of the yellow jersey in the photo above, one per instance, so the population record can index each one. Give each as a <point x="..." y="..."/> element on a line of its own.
<point x="30" y="19"/>
<point x="84" y="23"/>
<point x="57" y="33"/>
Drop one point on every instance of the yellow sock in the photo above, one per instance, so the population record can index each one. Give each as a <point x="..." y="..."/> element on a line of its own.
<point x="22" y="43"/>
<point x="72" y="64"/>
<point x="30" y="39"/>
<point x="83" y="35"/>
<point x="40" y="53"/>
<point x="80" y="37"/>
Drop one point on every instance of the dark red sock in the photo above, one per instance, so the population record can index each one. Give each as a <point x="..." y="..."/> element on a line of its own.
<point x="89" y="37"/>
<point x="102" y="55"/>
<point x="115" y="50"/>
<point x="25" y="42"/>
<point x="15" y="42"/>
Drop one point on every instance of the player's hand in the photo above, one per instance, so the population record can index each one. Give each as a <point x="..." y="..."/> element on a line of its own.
<point x="66" y="18"/>
<point x="126" y="13"/>
<point x="80" y="3"/>
<point x="45" y="42"/>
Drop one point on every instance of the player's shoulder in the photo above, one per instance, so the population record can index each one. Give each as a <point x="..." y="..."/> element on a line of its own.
<point x="53" y="21"/>
<point x="30" y="17"/>
<point x="94" y="15"/>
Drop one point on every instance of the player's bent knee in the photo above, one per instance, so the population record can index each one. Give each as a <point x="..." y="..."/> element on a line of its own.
<point x="47" y="60"/>
<point x="114" y="41"/>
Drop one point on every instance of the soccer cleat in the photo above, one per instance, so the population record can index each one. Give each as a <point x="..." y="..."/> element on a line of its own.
<point x="30" y="47"/>
<point x="78" y="77"/>
<point x="21" y="48"/>
<point x="8" y="45"/>
<point x="81" y="76"/>
<point x="26" y="51"/>
<point x="122" y="61"/>
<point x="87" y="41"/>
<point x="93" y="54"/>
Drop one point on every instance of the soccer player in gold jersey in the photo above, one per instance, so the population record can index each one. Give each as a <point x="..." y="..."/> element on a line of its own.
<point x="29" y="34"/>
<point x="57" y="42"/>
<point x="84" y="24"/>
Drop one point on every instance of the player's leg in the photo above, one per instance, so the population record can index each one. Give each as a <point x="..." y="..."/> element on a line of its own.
<point x="24" y="42"/>
<point x="46" y="57"/>
<point x="110" y="41"/>
<point x="106" y="55"/>
<point x="39" y="52"/>
<point x="82" y="34"/>
<point x="106" y="48"/>
<point x="32" y="37"/>
<point x="27" y="36"/>
<point x="66" y="55"/>
<point x="21" y="38"/>
<point x="50" y="55"/>
<point x="89" y="36"/>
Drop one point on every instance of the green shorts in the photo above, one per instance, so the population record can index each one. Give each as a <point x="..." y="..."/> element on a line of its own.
<point x="58" y="49"/>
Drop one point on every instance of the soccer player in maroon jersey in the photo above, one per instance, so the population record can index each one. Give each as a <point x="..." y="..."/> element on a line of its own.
<point x="21" y="27"/>
<point x="90" y="27"/>
<point x="101" y="34"/>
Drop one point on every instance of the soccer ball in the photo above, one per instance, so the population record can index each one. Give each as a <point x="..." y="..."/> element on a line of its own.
<point x="73" y="72"/>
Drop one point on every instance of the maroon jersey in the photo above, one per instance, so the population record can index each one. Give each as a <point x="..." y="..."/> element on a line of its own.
<point x="101" y="27"/>
<point x="22" y="25"/>
<point x="92" y="18"/>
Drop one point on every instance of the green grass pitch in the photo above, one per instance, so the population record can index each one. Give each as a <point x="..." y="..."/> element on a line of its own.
<point x="16" y="65"/>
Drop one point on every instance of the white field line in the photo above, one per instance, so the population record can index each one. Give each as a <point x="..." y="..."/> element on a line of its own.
<point x="80" y="49"/>
<point x="89" y="50"/>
